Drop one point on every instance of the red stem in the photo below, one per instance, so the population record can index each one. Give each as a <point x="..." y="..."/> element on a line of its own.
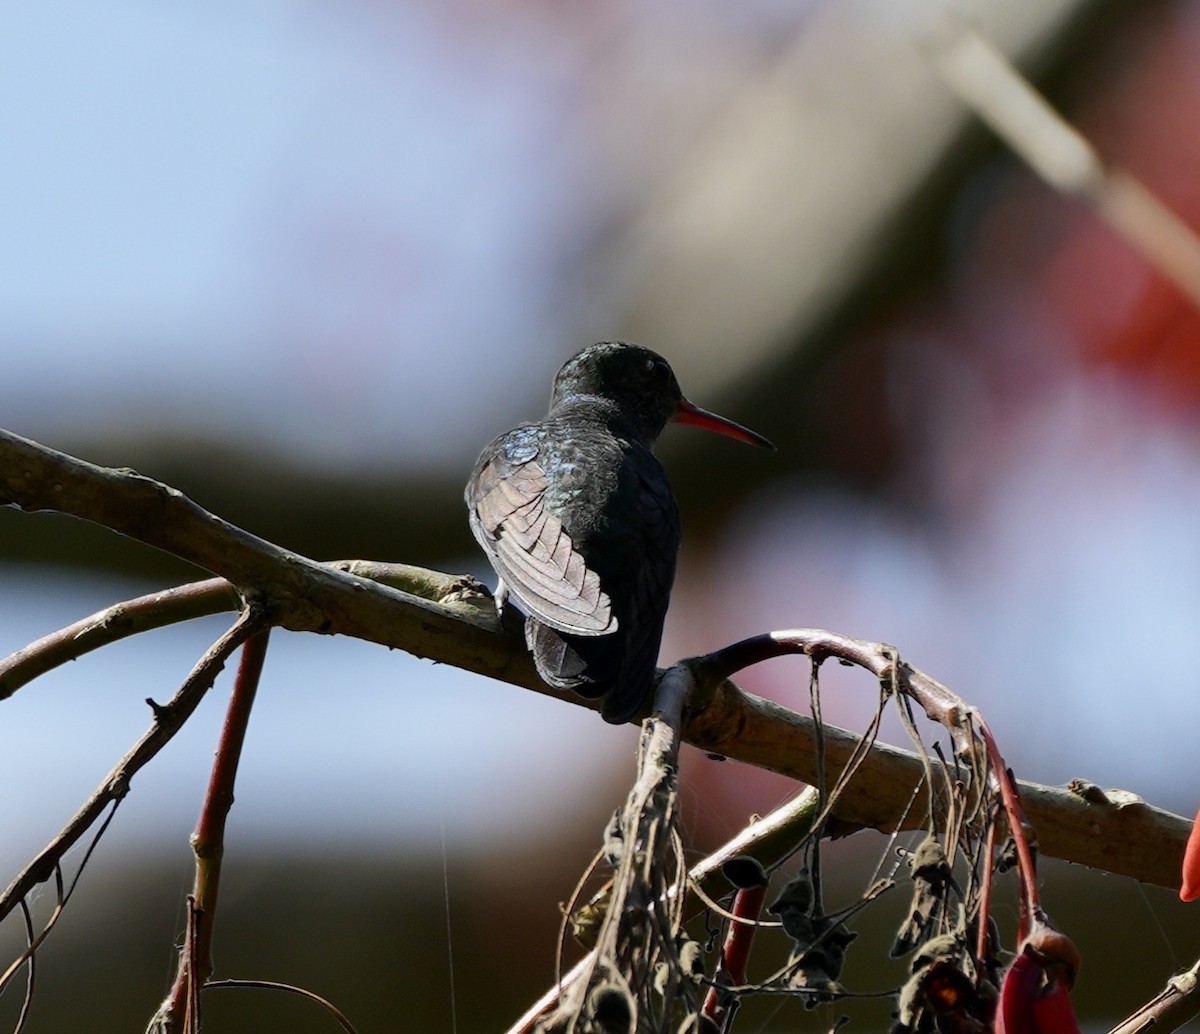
<point x="208" y="841"/>
<point x="735" y="952"/>
<point x="1030" y="901"/>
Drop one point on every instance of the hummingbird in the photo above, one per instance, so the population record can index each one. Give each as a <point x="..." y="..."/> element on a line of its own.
<point x="577" y="517"/>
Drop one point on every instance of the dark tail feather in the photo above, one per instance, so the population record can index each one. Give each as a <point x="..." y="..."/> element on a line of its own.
<point x="591" y="667"/>
<point x="623" y="702"/>
<point x="585" y="664"/>
<point x="588" y="665"/>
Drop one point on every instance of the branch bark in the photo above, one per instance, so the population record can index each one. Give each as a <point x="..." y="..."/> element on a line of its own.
<point x="303" y="595"/>
<point x="1115" y="832"/>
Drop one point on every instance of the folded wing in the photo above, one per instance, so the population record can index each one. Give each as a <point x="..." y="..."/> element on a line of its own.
<point x="529" y="549"/>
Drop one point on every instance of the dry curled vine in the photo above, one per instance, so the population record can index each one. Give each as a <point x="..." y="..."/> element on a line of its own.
<point x="957" y="978"/>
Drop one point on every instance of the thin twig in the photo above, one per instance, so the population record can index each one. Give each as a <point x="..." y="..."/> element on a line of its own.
<point x="168" y="720"/>
<point x="765" y="840"/>
<point x="202" y="599"/>
<point x="208" y="843"/>
<point x="112" y="624"/>
<point x="274" y="985"/>
<point x="1168" y="1010"/>
<point x="31" y="978"/>
<point x="62" y="894"/>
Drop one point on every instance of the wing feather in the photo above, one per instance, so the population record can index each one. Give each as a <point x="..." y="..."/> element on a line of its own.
<point x="531" y="551"/>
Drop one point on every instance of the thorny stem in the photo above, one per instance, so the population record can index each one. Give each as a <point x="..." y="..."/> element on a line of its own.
<point x="1030" y="898"/>
<point x="180" y="1011"/>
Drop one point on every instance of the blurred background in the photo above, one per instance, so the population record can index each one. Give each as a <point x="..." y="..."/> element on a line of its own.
<point x="303" y="261"/>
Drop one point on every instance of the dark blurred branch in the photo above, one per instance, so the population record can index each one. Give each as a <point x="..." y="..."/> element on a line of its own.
<point x="989" y="84"/>
<point x="1124" y="836"/>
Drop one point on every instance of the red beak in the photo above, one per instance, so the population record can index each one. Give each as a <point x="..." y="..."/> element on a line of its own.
<point x="686" y="413"/>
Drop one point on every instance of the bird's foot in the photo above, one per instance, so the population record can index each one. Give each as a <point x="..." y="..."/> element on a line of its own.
<point x="511" y="619"/>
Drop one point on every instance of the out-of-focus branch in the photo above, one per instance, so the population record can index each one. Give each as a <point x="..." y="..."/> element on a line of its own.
<point x="985" y="80"/>
<point x="1115" y="833"/>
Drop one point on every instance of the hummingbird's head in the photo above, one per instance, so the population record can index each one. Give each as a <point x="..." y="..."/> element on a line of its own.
<point x="641" y="386"/>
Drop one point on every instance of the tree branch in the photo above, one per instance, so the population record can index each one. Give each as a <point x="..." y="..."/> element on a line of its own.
<point x="201" y="599"/>
<point x="182" y="603"/>
<point x="1175" y="1005"/>
<point x="1115" y="832"/>
<point x="301" y="594"/>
